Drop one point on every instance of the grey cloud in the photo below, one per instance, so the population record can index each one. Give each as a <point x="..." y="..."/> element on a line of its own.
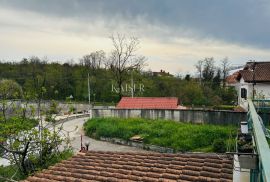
<point x="244" y="21"/>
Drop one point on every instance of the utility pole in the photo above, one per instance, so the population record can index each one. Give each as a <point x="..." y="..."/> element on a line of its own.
<point x="254" y="82"/>
<point x="132" y="85"/>
<point x="89" y="92"/>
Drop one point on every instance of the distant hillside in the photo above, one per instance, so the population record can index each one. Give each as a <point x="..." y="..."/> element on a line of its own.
<point x="63" y="80"/>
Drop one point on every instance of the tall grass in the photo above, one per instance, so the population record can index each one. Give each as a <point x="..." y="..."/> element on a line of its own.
<point x="177" y="135"/>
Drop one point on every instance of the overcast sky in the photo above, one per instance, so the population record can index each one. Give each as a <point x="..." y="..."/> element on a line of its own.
<point x="174" y="34"/>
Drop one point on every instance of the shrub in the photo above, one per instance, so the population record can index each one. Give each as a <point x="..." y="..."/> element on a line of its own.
<point x="8" y="171"/>
<point x="219" y="146"/>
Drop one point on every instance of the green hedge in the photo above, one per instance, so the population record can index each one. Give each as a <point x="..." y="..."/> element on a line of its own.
<point x="177" y="135"/>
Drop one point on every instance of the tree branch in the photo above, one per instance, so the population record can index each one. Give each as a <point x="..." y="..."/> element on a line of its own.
<point x="11" y="151"/>
<point x="6" y="179"/>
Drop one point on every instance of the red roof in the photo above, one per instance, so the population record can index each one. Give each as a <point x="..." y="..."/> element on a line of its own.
<point x="124" y="166"/>
<point x="232" y="79"/>
<point x="148" y="103"/>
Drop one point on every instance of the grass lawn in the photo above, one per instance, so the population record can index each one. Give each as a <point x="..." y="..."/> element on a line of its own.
<point x="177" y="135"/>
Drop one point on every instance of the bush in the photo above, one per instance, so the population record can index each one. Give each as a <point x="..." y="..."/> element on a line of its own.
<point x="9" y="171"/>
<point x="177" y="135"/>
<point x="219" y="146"/>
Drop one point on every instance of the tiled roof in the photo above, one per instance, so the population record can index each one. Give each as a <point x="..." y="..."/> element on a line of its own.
<point x="117" y="166"/>
<point x="261" y="73"/>
<point x="247" y="75"/>
<point x="232" y="79"/>
<point x="262" y="70"/>
<point x="148" y="103"/>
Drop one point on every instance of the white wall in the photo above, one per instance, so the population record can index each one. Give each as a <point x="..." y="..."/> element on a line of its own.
<point x="261" y="89"/>
<point x="241" y="101"/>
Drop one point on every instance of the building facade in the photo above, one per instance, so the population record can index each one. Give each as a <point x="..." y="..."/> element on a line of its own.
<point x="253" y="81"/>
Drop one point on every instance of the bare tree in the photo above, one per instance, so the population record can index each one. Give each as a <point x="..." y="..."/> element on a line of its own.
<point x="123" y="58"/>
<point x="199" y="67"/>
<point x="94" y="60"/>
<point x="225" y="66"/>
<point x="208" y="71"/>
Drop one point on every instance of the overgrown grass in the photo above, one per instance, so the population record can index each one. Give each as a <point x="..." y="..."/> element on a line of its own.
<point x="56" y="158"/>
<point x="177" y="135"/>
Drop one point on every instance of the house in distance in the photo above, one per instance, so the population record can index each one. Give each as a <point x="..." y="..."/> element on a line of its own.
<point x="253" y="81"/>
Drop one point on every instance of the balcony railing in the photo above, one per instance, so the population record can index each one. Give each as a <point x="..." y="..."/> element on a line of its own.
<point x="262" y="146"/>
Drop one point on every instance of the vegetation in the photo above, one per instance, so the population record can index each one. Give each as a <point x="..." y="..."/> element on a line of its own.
<point x="179" y="136"/>
<point x="26" y="141"/>
<point x="62" y="80"/>
<point x="219" y="145"/>
<point x="8" y="172"/>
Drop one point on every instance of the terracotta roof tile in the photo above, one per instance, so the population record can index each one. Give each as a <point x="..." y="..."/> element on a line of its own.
<point x="148" y="103"/>
<point x="232" y="79"/>
<point x="188" y="177"/>
<point x="190" y="172"/>
<point x="109" y="166"/>
<point x="260" y="74"/>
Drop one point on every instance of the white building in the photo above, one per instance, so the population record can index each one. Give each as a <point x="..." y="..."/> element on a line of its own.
<point x="253" y="81"/>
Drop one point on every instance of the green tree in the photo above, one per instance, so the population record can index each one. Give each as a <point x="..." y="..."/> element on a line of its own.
<point x="26" y="142"/>
<point x="192" y="94"/>
<point x="217" y="80"/>
<point x="9" y="90"/>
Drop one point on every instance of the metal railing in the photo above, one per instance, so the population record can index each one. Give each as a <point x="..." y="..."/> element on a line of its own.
<point x="262" y="105"/>
<point x="261" y="143"/>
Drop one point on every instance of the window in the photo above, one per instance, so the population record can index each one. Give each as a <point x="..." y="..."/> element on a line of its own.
<point x="244" y="93"/>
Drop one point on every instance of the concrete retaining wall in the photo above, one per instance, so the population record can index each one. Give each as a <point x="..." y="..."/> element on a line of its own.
<point x="140" y="145"/>
<point x="75" y="116"/>
<point x="192" y="116"/>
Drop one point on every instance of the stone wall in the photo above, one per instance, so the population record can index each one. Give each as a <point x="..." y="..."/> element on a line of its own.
<point x="192" y="116"/>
